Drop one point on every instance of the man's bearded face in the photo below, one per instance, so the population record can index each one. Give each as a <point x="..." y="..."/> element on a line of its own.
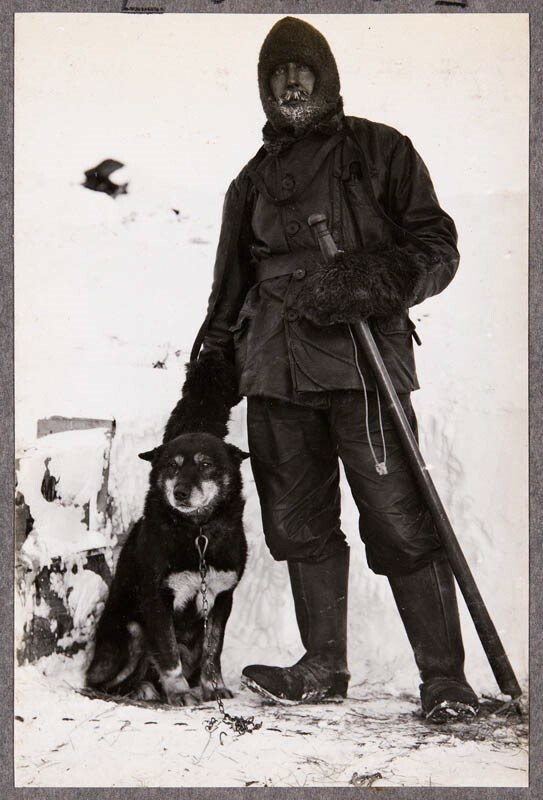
<point x="292" y="85"/>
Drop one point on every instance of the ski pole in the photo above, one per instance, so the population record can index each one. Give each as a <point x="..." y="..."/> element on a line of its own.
<point x="486" y="630"/>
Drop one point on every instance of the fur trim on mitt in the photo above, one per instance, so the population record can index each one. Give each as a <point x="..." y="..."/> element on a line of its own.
<point x="209" y="393"/>
<point x="361" y="285"/>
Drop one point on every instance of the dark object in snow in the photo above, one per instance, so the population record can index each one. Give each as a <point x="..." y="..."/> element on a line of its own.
<point x="24" y="521"/>
<point x="155" y="604"/>
<point x="237" y="724"/>
<point x="56" y="424"/>
<point x="159" y="365"/>
<point x="49" y="625"/>
<point x="209" y="393"/>
<point x="50" y="628"/>
<point x="49" y="483"/>
<point x="40" y="635"/>
<point x="97" y="178"/>
<point x="364" y="780"/>
<point x="176" y="211"/>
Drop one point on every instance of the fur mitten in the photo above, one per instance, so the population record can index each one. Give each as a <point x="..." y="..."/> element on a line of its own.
<point x="209" y="393"/>
<point x="361" y="285"/>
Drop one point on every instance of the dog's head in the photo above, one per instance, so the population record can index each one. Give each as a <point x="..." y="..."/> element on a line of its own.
<point x="195" y="472"/>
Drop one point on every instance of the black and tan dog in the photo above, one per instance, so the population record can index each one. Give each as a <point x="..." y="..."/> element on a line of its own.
<point x="150" y="640"/>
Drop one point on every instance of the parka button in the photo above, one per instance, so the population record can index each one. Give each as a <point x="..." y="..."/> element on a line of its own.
<point x="292" y="227"/>
<point x="292" y="315"/>
<point x="288" y="183"/>
<point x="299" y="274"/>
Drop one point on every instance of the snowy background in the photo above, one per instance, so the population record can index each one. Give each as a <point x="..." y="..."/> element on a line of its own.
<point x="105" y="288"/>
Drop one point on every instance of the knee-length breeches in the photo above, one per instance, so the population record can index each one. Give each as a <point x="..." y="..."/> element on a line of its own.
<point x="294" y="456"/>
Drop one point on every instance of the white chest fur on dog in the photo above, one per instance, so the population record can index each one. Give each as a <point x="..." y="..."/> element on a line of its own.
<point x="186" y="585"/>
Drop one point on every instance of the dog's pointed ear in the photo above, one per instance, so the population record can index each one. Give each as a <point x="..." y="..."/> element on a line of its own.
<point x="150" y="455"/>
<point x="237" y="454"/>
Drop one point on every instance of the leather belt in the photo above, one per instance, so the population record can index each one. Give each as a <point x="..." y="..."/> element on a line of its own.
<point x="289" y="264"/>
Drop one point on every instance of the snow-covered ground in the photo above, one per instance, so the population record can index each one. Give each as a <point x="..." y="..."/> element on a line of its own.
<point x="106" y="288"/>
<point x="374" y="738"/>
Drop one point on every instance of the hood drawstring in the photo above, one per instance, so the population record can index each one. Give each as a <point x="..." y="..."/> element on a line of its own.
<point x="380" y="466"/>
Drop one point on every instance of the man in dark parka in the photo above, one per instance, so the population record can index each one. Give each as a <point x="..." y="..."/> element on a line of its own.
<point x="278" y="330"/>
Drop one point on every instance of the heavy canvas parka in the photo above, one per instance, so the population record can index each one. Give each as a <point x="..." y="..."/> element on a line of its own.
<point x="378" y="196"/>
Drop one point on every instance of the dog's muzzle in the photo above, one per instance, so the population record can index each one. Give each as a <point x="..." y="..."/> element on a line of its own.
<point x="191" y="500"/>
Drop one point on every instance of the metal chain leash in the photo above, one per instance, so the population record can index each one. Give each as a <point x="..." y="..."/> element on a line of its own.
<point x="239" y="725"/>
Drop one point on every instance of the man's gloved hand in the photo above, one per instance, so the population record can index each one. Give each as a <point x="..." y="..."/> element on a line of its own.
<point x="209" y="393"/>
<point x="361" y="285"/>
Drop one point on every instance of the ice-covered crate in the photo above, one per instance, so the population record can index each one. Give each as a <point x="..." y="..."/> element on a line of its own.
<point x="64" y="534"/>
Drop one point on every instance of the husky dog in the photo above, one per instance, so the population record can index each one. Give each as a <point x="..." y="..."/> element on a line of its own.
<point x="150" y="641"/>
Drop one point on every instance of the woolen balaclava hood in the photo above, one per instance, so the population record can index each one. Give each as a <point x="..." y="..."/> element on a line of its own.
<point x="292" y="39"/>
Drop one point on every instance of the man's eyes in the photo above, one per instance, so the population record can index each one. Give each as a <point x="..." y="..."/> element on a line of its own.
<point x="283" y="68"/>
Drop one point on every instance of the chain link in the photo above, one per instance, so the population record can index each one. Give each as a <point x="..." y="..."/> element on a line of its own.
<point x="239" y="725"/>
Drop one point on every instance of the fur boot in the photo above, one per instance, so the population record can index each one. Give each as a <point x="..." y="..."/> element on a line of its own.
<point x="426" y="600"/>
<point x="319" y="591"/>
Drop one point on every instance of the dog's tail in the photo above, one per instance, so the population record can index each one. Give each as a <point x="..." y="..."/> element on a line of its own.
<point x="117" y="659"/>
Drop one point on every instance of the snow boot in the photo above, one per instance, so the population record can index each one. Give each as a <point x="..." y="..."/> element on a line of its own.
<point x="320" y="600"/>
<point x="426" y="600"/>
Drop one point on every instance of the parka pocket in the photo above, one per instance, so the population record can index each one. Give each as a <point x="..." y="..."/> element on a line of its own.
<point x="369" y="223"/>
<point x="397" y="324"/>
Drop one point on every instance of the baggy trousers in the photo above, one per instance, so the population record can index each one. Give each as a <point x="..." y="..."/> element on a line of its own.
<point x="295" y="452"/>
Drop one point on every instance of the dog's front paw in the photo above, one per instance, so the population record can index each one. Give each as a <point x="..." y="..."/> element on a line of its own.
<point x="146" y="691"/>
<point x="209" y="693"/>
<point x="185" y="698"/>
<point x="176" y="688"/>
<point x="224" y="693"/>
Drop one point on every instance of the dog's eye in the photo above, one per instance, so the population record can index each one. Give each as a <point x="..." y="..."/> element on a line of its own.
<point x="206" y="464"/>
